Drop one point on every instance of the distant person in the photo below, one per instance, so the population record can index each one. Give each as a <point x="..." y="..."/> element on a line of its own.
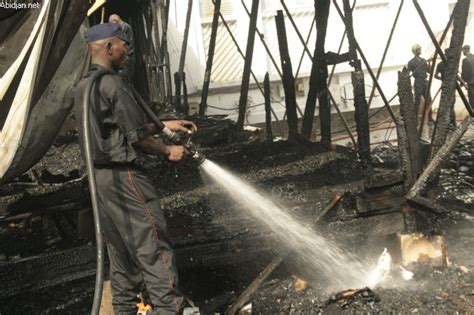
<point x="419" y="68"/>
<point x="441" y="75"/>
<point x="467" y="73"/>
<point x="128" y="71"/>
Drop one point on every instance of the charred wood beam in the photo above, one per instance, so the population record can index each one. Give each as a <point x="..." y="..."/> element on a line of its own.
<point x="268" y="106"/>
<point x="154" y="70"/>
<point x="389" y="40"/>
<point x="333" y="58"/>
<point x="361" y="115"/>
<point x="270" y="55"/>
<point x="428" y="105"/>
<point x="318" y="80"/>
<point x="165" y="56"/>
<point x="350" y="34"/>
<point x="419" y="201"/>
<point x="409" y="117"/>
<point x="343" y="37"/>
<point x="243" y="56"/>
<point x="449" y="84"/>
<point x="433" y="168"/>
<point x="463" y="5"/>
<point x="290" y="17"/>
<point x="262" y="40"/>
<point x="210" y="58"/>
<point x="179" y="77"/>
<point x="244" y="87"/>
<point x="256" y="283"/>
<point x="369" y="69"/>
<point x="288" y="79"/>
<point x="404" y="152"/>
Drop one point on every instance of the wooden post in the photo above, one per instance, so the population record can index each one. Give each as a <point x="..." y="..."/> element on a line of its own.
<point x="366" y="63"/>
<point x="358" y="82"/>
<point x="389" y="40"/>
<point x="157" y="52"/>
<point x="268" y="106"/>
<point x="288" y="79"/>
<point x="409" y="117"/>
<point x="251" y="72"/>
<point x="244" y="87"/>
<point x="179" y="78"/>
<point x="432" y="72"/>
<point x="165" y="56"/>
<point x="210" y="58"/>
<point x="449" y="83"/>
<point x="433" y="169"/>
<point x="318" y="80"/>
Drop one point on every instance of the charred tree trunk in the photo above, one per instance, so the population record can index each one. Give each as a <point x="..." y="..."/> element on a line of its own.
<point x="288" y="79"/>
<point x="318" y="80"/>
<point x="210" y="58"/>
<point x="268" y="106"/>
<point x="460" y="13"/>
<point x="244" y="88"/>
<point x="409" y="117"/>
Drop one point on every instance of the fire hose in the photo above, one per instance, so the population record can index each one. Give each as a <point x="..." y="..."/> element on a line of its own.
<point x="165" y="131"/>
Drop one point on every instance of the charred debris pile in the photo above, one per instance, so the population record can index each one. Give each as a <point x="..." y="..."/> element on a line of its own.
<point x="47" y="241"/>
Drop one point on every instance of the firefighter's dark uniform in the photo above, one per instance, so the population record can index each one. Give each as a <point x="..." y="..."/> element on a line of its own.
<point x="133" y="222"/>
<point x="419" y="68"/>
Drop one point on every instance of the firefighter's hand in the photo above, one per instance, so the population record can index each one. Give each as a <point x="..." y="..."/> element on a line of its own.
<point x="176" y="153"/>
<point x="186" y="126"/>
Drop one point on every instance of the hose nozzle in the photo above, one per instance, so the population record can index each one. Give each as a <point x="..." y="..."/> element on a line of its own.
<point x="176" y="139"/>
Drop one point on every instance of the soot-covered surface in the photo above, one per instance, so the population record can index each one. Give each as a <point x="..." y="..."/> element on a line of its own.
<point x="302" y="180"/>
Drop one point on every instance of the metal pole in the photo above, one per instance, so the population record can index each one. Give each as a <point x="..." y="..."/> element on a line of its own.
<point x="371" y="73"/>
<point x="243" y="56"/>
<point x="267" y="49"/>
<point x="379" y="70"/>
<point x="244" y="87"/>
<point x="210" y="58"/>
<point x="165" y="9"/>
<point x="182" y="57"/>
<point x="340" y="47"/>
<point x="296" y="29"/>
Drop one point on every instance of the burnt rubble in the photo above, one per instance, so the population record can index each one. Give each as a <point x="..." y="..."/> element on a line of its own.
<point x="303" y="179"/>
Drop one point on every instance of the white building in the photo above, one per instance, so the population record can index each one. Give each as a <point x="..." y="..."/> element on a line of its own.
<point x="373" y="20"/>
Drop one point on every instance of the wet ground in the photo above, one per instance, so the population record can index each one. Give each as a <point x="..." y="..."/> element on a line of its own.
<point x="281" y="171"/>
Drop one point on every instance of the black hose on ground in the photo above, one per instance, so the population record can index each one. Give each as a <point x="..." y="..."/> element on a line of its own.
<point x="99" y="277"/>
